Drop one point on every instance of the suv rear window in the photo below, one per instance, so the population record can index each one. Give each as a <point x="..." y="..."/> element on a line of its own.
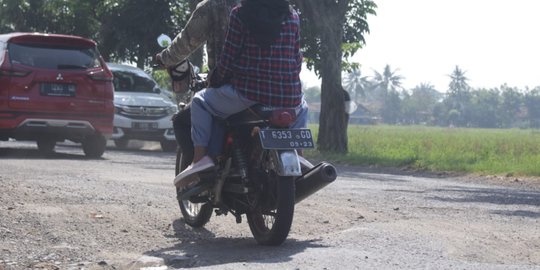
<point x="53" y="57"/>
<point x="132" y="82"/>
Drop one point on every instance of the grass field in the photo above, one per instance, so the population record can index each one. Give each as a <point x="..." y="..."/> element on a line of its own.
<point x="490" y="151"/>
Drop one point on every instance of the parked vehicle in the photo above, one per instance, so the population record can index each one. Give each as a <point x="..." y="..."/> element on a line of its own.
<point x="259" y="174"/>
<point x="142" y="110"/>
<point x="55" y="88"/>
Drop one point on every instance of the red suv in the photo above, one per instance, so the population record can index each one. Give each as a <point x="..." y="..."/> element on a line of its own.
<point x="55" y="88"/>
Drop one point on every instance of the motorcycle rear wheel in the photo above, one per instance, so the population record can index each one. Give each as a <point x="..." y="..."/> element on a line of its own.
<point x="270" y="227"/>
<point x="195" y="214"/>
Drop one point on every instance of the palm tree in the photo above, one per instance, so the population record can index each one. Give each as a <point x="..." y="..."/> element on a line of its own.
<point x="387" y="81"/>
<point x="427" y="91"/>
<point x="388" y="85"/>
<point x="458" y="81"/>
<point x="354" y="83"/>
<point x="459" y="95"/>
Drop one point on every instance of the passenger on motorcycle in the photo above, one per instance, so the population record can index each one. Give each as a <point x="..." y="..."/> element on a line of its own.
<point x="207" y="24"/>
<point x="260" y="64"/>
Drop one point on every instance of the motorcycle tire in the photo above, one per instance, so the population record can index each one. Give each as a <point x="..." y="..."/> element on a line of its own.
<point x="195" y="215"/>
<point x="274" y="233"/>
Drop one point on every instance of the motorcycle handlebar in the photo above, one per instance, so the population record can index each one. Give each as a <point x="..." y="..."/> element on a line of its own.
<point x="157" y="67"/>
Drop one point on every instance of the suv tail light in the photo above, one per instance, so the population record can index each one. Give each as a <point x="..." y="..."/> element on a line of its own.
<point x="7" y="115"/>
<point x="100" y="76"/>
<point x="14" y="72"/>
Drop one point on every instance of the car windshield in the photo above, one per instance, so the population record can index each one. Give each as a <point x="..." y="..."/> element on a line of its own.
<point x="131" y="82"/>
<point x="54" y="56"/>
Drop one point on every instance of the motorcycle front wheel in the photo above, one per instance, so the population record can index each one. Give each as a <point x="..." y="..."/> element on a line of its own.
<point x="271" y="220"/>
<point x="195" y="214"/>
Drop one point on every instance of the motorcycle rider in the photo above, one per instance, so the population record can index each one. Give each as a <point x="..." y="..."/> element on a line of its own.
<point x="208" y="23"/>
<point x="259" y="64"/>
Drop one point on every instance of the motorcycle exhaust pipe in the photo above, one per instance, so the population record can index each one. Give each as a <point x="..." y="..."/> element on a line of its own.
<point x="314" y="180"/>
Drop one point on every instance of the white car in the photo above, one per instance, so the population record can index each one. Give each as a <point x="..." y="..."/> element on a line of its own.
<point x="142" y="111"/>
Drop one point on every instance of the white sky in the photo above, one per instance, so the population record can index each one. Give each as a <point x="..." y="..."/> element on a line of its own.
<point x="493" y="41"/>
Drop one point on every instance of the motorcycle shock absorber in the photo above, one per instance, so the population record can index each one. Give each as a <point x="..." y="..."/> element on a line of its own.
<point x="240" y="159"/>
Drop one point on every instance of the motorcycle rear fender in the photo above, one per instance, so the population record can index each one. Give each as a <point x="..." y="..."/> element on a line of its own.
<point x="286" y="162"/>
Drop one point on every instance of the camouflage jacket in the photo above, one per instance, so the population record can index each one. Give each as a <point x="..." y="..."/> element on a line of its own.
<point x="208" y="23"/>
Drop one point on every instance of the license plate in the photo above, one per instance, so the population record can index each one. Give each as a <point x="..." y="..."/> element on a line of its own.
<point x="58" y="89"/>
<point x="144" y="125"/>
<point x="286" y="138"/>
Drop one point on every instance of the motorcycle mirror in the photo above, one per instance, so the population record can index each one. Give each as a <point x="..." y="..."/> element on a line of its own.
<point x="350" y="107"/>
<point x="164" y="41"/>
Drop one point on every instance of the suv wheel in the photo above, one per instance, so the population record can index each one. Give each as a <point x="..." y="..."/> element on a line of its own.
<point x="46" y="146"/>
<point x="168" y="146"/>
<point x="94" y="145"/>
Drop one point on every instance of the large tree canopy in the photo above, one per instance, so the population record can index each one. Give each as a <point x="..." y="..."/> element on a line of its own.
<point x="78" y="17"/>
<point x="332" y="31"/>
<point x="129" y="28"/>
<point x="126" y="30"/>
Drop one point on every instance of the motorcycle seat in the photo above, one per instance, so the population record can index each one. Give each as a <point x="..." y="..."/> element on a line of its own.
<point x="258" y="113"/>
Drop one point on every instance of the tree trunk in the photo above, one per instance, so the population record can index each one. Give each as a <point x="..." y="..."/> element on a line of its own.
<point x="333" y="126"/>
<point x="327" y="18"/>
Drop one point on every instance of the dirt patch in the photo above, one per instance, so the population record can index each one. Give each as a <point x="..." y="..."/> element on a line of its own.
<point x="120" y="212"/>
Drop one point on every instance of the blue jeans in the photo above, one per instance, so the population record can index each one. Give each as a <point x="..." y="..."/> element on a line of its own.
<point x="223" y="102"/>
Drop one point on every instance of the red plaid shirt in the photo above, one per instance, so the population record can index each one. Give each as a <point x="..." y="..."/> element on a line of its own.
<point x="271" y="75"/>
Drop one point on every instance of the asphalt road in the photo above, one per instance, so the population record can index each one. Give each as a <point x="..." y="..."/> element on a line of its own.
<point x="119" y="212"/>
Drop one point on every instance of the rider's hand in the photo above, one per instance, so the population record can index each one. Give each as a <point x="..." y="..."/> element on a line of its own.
<point x="158" y="60"/>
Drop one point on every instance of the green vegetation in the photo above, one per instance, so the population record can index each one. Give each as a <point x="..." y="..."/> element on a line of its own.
<point x="491" y="151"/>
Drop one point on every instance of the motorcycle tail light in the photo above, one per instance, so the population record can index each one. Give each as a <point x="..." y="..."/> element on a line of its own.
<point x="283" y="117"/>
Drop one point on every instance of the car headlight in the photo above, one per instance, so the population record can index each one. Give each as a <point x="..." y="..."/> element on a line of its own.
<point x="119" y="109"/>
<point x="172" y="110"/>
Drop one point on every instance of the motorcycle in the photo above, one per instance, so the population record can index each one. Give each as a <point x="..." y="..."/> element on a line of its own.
<point x="259" y="174"/>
